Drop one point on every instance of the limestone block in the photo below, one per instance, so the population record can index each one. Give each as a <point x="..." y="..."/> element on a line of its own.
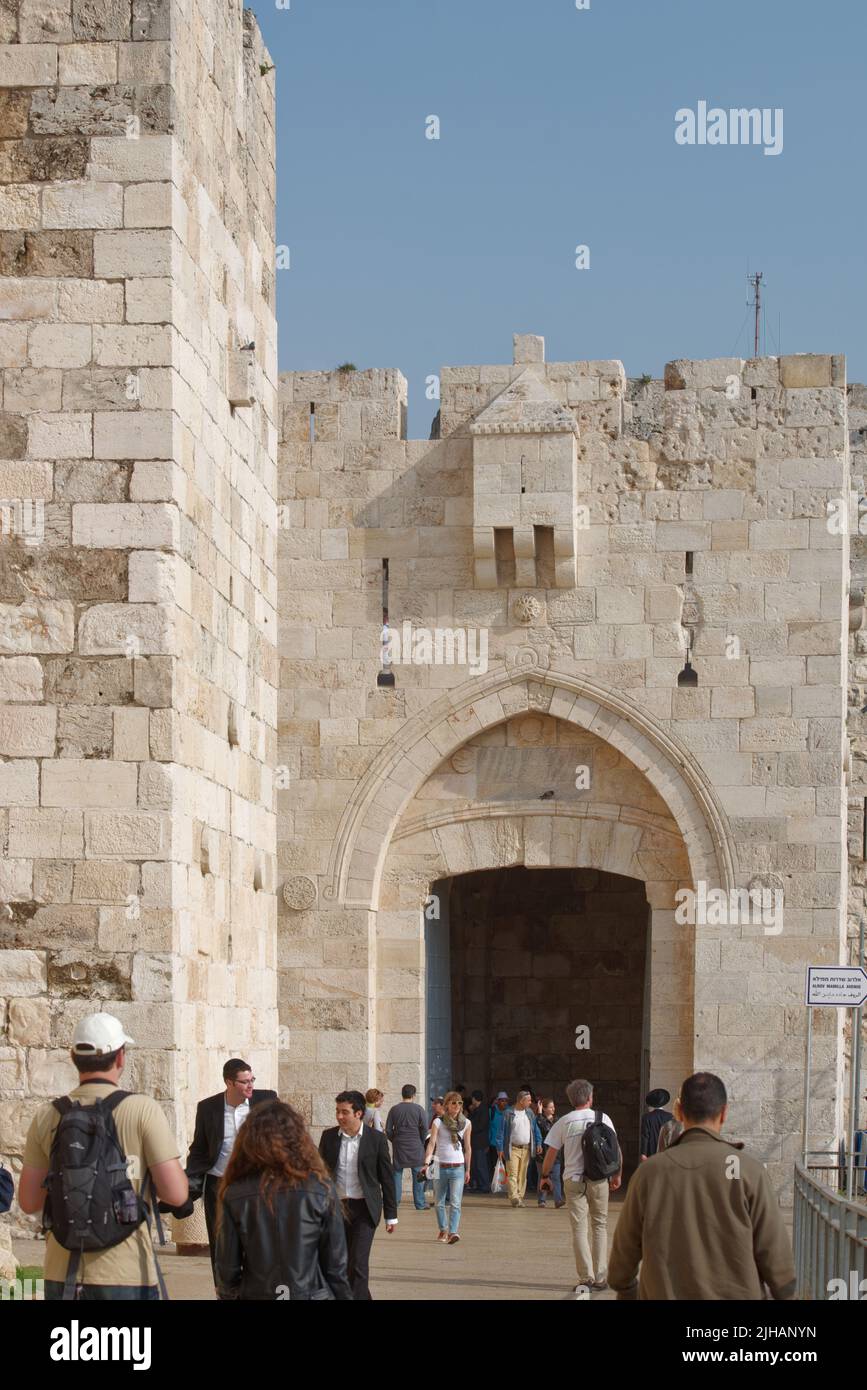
<point x="125" y="525"/>
<point x="16" y="879"/>
<point x="66" y="345"/>
<point x="101" y="19"/>
<point x="141" y="434"/>
<point x="137" y="629"/>
<point x="95" y="388"/>
<point x="20" y="679"/>
<point x="151" y="19"/>
<point x="12" y="1074"/>
<point x="50" y="1072"/>
<point x="30" y="389"/>
<point x="85" y="783"/>
<point x="87" y="64"/>
<point x="148" y="64"/>
<point x="28" y="64"/>
<point x="131" y="734"/>
<point x="128" y="834"/>
<point x="13" y="345"/>
<point x="36" y="626"/>
<point x="59" y="435"/>
<point x="805" y="369"/>
<point x="45" y="834"/>
<point x="120" y="253"/>
<point x="19" y="782"/>
<point x="52" y="881"/>
<point x="29" y="1022"/>
<point x="22" y="973"/>
<point x="84" y="203"/>
<point x="19" y="206"/>
<point x="153" y="976"/>
<point x="22" y="299"/>
<point x="137" y="345"/>
<point x="97" y="881"/>
<point x="13" y="436"/>
<point x="114" y="158"/>
<point x="28" y="730"/>
<point x="89" y="301"/>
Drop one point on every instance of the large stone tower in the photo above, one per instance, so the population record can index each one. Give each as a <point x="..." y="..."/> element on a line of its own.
<point x="138" y="579"/>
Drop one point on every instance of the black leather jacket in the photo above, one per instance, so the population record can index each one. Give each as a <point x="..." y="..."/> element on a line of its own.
<point x="297" y="1250"/>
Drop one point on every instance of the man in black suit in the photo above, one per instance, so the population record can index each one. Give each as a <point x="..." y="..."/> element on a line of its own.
<point x="218" y="1120"/>
<point x="357" y="1157"/>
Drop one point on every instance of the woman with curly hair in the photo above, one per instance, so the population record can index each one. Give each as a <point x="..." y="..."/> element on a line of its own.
<point x="280" y="1232"/>
<point x="451" y="1139"/>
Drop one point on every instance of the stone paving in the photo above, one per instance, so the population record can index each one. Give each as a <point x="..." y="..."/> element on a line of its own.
<point x="524" y="1255"/>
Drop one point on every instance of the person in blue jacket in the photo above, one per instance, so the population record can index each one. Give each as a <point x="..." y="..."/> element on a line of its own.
<point x="515" y="1135"/>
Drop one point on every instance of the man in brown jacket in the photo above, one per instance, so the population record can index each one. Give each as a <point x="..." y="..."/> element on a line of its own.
<point x="701" y="1217"/>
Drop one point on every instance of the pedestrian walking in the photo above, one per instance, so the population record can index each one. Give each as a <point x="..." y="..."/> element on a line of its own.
<point x="496" y="1123"/>
<point x="653" y="1122"/>
<point x="407" y="1129"/>
<point x="592" y="1166"/>
<point x="701" y="1220"/>
<point x="451" y="1141"/>
<point x="546" y="1121"/>
<point x="218" y="1122"/>
<point x="280" y="1229"/>
<point x="480" y="1172"/>
<point x="521" y="1139"/>
<point x="358" y="1160"/>
<point x="372" y="1111"/>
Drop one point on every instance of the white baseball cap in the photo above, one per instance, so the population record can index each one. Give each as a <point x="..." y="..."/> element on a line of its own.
<point x="97" y="1034"/>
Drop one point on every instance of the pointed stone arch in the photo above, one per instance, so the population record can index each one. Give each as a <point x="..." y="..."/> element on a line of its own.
<point x="395" y="775"/>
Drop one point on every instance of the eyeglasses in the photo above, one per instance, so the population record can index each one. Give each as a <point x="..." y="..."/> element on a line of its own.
<point x="244" y="1083"/>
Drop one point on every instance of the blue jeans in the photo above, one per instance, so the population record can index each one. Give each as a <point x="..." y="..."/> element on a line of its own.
<point x="556" y="1176"/>
<point x="417" y="1188"/>
<point x="450" y="1183"/>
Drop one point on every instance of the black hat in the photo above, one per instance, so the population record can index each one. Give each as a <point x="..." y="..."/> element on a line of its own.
<point x="657" y="1098"/>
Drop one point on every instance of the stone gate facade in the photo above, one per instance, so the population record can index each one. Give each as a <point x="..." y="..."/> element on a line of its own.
<point x="269" y="670"/>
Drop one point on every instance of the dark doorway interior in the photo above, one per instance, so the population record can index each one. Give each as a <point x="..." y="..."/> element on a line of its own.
<point x="534" y="955"/>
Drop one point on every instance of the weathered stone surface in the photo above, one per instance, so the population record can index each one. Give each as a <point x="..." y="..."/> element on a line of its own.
<point x="27" y="730"/>
<point x="29" y="1021"/>
<point x="22" y="973"/>
<point x="13" y="436"/>
<point x="58" y="253"/>
<point x="36" y="625"/>
<point x="20" y="679"/>
<point x="41" y="161"/>
<point x="84" y="731"/>
<point x="99" y="20"/>
<point x="74" y="974"/>
<point x="89" y="682"/>
<point x="72" y="575"/>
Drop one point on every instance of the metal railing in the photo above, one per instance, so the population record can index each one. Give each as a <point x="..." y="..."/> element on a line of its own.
<point x="830" y="1238"/>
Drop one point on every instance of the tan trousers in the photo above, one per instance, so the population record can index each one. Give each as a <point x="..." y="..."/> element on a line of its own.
<point x="516" y="1168"/>
<point x="588" y="1200"/>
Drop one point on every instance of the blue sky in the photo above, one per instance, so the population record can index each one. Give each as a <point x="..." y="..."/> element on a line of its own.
<point x="557" y="129"/>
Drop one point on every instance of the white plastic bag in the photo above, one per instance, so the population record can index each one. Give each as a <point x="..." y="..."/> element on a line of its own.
<point x="498" y="1182"/>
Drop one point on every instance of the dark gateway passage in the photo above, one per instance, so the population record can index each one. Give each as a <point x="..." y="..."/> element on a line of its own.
<point x="535" y="955"/>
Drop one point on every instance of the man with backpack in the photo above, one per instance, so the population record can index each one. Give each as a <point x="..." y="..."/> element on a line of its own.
<point x="93" y="1161"/>
<point x="592" y="1166"/>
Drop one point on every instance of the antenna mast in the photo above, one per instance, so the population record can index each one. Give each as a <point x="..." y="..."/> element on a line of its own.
<point x="756" y="302"/>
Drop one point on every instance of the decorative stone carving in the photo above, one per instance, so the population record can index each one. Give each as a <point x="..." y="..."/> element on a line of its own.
<point x="463" y="760"/>
<point x="527" y="659"/>
<point x="531" y="730"/>
<point x="527" y="609"/>
<point x="299" y="893"/>
<point x="770" y="882"/>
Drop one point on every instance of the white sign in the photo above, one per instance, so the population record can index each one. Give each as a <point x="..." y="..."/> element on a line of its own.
<point x="836" y="986"/>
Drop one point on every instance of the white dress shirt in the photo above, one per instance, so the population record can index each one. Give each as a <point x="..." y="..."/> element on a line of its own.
<point x="348" y="1184"/>
<point x="233" y="1117"/>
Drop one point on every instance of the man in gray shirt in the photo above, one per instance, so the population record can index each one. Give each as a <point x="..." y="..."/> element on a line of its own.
<point x="406" y="1127"/>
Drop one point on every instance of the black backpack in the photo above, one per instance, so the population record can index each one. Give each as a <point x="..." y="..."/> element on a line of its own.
<point x="90" y="1203"/>
<point x="7" y="1189"/>
<point x="601" y="1150"/>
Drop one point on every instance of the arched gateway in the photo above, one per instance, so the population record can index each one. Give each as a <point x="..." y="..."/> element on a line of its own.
<point x="580" y="650"/>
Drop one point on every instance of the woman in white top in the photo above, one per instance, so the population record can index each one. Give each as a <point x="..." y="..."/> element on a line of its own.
<point x="450" y="1138"/>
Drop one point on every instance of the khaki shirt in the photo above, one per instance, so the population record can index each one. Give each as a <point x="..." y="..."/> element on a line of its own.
<point x="145" y="1136"/>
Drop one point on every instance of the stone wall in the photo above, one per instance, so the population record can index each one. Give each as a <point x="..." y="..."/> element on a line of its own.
<point x="701" y="526"/>
<point x="138" y="618"/>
